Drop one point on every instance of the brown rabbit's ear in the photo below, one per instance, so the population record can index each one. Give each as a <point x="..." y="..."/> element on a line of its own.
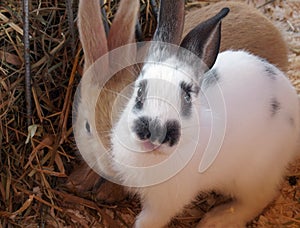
<point x="91" y="31"/>
<point x="170" y="21"/>
<point x="122" y="30"/>
<point x="204" y="39"/>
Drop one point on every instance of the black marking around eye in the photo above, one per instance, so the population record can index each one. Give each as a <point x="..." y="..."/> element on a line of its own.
<point x="210" y="78"/>
<point x="140" y="95"/>
<point x="275" y="106"/>
<point x="186" y="87"/>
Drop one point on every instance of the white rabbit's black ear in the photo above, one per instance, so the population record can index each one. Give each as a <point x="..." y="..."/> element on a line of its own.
<point x="204" y="39"/>
<point x="169" y="29"/>
<point x="91" y="31"/>
<point x="170" y="21"/>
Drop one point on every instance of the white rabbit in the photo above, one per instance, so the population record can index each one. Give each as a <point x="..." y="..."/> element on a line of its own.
<point x="232" y="129"/>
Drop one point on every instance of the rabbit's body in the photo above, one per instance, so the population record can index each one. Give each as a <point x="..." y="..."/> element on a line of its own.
<point x="262" y="129"/>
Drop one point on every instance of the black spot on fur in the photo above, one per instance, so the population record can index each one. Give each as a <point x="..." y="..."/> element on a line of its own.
<point x="271" y="71"/>
<point x="141" y="95"/>
<point x="292" y="121"/>
<point x="173" y="132"/>
<point x="151" y="129"/>
<point x="141" y="128"/>
<point x="275" y="106"/>
<point x="210" y="78"/>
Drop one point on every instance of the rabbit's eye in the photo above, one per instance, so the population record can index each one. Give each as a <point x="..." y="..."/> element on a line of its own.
<point x="87" y="127"/>
<point x="140" y="92"/>
<point x="140" y="95"/>
<point x="187" y="97"/>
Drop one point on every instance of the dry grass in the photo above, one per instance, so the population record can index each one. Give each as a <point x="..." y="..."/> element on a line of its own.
<point x="32" y="175"/>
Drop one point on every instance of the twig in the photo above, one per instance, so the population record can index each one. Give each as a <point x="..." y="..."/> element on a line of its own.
<point x="67" y="104"/>
<point x="27" y="62"/>
<point x="11" y="24"/>
<point x="138" y="31"/>
<point x="266" y="3"/>
<point x="154" y="8"/>
<point x="104" y="18"/>
<point x="69" y="4"/>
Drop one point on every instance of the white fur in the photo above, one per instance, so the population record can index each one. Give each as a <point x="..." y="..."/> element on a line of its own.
<point x="256" y="149"/>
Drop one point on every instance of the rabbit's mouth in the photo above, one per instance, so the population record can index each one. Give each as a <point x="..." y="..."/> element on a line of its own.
<point x="148" y="146"/>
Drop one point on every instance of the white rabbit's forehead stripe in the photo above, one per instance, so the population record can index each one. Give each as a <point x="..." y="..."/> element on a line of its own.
<point x="170" y="71"/>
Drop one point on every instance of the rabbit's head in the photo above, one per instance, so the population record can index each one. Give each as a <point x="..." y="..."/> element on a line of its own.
<point x="163" y="109"/>
<point x="95" y="94"/>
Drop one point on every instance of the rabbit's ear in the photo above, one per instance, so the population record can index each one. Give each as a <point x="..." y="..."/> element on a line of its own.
<point x="204" y="39"/>
<point x="122" y="31"/>
<point x="91" y="31"/>
<point x="169" y="30"/>
<point x="170" y="21"/>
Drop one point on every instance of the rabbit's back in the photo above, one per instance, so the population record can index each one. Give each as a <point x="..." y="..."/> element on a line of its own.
<point x="261" y="113"/>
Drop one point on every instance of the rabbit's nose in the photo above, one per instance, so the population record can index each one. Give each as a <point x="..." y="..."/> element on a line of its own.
<point x="157" y="133"/>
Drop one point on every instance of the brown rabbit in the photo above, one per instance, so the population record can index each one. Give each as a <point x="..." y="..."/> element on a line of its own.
<point x="95" y="44"/>
<point x="236" y="34"/>
<point x="244" y="28"/>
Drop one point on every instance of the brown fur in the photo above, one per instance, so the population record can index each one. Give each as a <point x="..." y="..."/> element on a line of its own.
<point x="244" y="28"/>
<point x="92" y="35"/>
<point x="95" y="45"/>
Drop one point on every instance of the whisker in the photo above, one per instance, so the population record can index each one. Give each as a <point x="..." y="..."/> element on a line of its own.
<point x="191" y="126"/>
<point x="130" y="67"/>
<point x="104" y="132"/>
<point x="192" y="140"/>
<point x="117" y="93"/>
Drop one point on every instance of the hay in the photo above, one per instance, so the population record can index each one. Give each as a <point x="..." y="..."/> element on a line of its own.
<point x="32" y="175"/>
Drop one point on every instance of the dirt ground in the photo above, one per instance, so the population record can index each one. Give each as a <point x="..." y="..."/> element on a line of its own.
<point x="32" y="190"/>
